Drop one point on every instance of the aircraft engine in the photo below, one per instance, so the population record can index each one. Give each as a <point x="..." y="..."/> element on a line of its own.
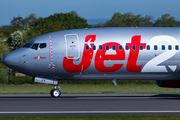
<point x="45" y="80"/>
<point x="168" y="83"/>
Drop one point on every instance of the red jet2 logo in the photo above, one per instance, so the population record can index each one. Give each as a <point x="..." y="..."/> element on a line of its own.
<point x="100" y="57"/>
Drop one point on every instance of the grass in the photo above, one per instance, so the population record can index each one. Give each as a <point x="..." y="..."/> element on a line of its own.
<point x="84" y="88"/>
<point x="26" y="86"/>
<point x="95" y="117"/>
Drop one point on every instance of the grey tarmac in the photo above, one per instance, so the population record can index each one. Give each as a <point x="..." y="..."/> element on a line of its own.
<point x="89" y="104"/>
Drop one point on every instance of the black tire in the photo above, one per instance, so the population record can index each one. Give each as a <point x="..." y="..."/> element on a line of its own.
<point x="55" y="93"/>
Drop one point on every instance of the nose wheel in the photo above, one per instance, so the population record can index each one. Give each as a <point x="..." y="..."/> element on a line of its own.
<point x="55" y="93"/>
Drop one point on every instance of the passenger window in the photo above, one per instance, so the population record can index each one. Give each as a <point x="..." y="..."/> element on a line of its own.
<point x="141" y="47"/>
<point x="134" y="47"/>
<point x="35" y="46"/>
<point x="120" y="47"/>
<point x="107" y="47"/>
<point x="42" y="45"/>
<point x="155" y="47"/>
<point x="114" y="47"/>
<point x="169" y="47"/>
<point x="163" y="47"/>
<point x="148" y="47"/>
<point x="94" y="47"/>
<point x="27" y="45"/>
<point x="100" y="47"/>
<point x="87" y="47"/>
<point x="127" y="47"/>
<point x="177" y="47"/>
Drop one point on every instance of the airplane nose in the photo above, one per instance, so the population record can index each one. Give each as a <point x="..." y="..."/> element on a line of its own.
<point x="3" y="61"/>
<point x="11" y="60"/>
<point x="7" y="60"/>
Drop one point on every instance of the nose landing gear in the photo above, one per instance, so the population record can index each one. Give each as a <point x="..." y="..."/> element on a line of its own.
<point x="55" y="92"/>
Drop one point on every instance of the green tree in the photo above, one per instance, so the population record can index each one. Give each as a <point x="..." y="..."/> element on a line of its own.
<point x="116" y="21"/>
<point x="48" y="27"/>
<point x="30" y="20"/>
<point x="2" y="75"/>
<point x="69" y="20"/>
<point x="74" y="13"/>
<point x="15" y="40"/>
<point x="147" y="21"/>
<point x="129" y="20"/>
<point x="18" y="38"/>
<point x="26" y="34"/>
<point x="17" y="22"/>
<point x="4" y="51"/>
<point x="2" y="35"/>
<point x="166" y="20"/>
<point x="5" y="31"/>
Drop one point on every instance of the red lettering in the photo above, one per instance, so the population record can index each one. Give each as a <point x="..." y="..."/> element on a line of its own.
<point x="42" y="57"/>
<point x="101" y="57"/>
<point x="133" y="55"/>
<point x="39" y="57"/>
<point x="69" y="66"/>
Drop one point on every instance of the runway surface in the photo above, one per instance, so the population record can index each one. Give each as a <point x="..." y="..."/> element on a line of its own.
<point x="89" y="104"/>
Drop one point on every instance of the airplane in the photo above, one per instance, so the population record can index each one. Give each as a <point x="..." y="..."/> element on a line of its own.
<point x="115" y="53"/>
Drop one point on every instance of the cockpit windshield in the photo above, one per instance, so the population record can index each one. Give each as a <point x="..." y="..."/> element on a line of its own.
<point x="27" y="45"/>
<point x="42" y="45"/>
<point x="35" y="46"/>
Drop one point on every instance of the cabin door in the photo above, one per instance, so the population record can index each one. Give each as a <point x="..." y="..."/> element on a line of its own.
<point x="72" y="47"/>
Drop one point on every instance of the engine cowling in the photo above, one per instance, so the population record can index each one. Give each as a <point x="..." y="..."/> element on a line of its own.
<point x="168" y="83"/>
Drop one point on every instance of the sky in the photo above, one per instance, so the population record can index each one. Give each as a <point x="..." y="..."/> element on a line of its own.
<point x="88" y="9"/>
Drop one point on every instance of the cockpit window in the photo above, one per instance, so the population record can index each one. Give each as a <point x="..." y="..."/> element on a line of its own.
<point x="35" y="46"/>
<point x="27" y="45"/>
<point x="42" y="45"/>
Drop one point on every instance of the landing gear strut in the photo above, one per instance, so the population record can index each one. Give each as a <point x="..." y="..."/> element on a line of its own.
<point x="55" y="92"/>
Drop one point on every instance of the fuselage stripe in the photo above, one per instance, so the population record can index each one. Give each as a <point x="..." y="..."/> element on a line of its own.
<point x="51" y="65"/>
